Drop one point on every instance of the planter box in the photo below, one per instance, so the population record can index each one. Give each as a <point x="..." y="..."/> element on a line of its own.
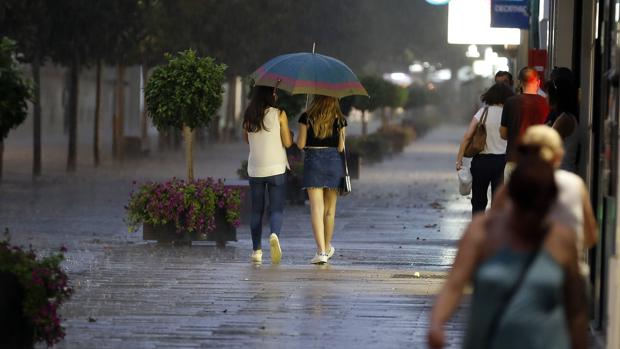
<point x="167" y="233"/>
<point x="354" y="161"/>
<point x="246" y="198"/>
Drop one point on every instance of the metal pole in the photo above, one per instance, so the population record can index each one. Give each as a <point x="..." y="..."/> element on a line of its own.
<point x="307" y="95"/>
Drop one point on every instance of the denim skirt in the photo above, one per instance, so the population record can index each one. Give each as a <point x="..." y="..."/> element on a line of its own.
<point x="323" y="168"/>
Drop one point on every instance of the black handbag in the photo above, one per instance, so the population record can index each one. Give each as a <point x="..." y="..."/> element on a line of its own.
<point x="345" y="183"/>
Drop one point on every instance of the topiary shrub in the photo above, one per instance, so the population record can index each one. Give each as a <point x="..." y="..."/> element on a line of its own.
<point x="185" y="94"/>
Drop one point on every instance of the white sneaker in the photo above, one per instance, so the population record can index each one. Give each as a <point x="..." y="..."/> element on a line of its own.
<point x="276" y="251"/>
<point x="319" y="258"/>
<point x="257" y="256"/>
<point x="331" y="251"/>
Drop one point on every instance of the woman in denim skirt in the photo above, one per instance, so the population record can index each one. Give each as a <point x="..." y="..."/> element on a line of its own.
<point x="267" y="133"/>
<point x="321" y="135"/>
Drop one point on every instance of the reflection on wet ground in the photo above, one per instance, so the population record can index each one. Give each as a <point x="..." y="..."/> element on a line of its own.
<point x="404" y="216"/>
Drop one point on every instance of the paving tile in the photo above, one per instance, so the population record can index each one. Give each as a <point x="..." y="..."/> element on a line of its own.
<point x="404" y="216"/>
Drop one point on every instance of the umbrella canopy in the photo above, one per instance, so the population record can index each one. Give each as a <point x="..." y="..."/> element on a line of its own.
<point x="309" y="73"/>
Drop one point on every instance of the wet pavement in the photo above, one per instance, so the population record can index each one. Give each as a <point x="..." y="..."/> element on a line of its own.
<point x="395" y="238"/>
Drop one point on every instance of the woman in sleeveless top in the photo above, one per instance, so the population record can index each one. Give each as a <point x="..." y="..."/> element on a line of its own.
<point x="527" y="291"/>
<point x="487" y="167"/>
<point x="572" y="207"/>
<point x="321" y="136"/>
<point x="267" y="133"/>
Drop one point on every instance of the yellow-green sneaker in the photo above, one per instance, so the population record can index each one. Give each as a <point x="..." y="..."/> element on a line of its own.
<point x="257" y="256"/>
<point x="276" y="251"/>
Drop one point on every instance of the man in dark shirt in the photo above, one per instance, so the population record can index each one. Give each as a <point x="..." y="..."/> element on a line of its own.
<point x="522" y="111"/>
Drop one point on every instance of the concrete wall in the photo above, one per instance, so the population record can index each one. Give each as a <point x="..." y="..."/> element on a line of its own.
<point x="54" y="97"/>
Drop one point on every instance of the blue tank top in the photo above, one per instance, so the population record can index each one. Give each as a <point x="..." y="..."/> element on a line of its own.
<point x="535" y="317"/>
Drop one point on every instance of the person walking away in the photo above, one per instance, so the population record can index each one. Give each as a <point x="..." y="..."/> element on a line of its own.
<point x="573" y="207"/>
<point x="487" y="167"/>
<point x="322" y="135"/>
<point x="522" y="111"/>
<point x="267" y="133"/>
<point x="527" y="291"/>
<point x="564" y="101"/>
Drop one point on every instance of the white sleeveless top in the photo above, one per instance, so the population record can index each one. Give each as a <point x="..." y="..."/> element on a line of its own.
<point x="568" y="209"/>
<point x="495" y="144"/>
<point x="267" y="154"/>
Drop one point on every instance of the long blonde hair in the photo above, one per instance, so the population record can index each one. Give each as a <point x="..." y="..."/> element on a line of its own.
<point x="322" y="113"/>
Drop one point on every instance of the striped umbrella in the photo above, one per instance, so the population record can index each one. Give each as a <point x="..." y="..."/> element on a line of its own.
<point x="309" y="73"/>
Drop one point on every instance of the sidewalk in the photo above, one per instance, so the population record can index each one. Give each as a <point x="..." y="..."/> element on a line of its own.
<point x="405" y="216"/>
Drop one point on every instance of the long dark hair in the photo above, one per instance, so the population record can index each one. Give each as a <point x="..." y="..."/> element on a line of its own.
<point x="563" y="95"/>
<point x="497" y="94"/>
<point x="533" y="191"/>
<point x="261" y="98"/>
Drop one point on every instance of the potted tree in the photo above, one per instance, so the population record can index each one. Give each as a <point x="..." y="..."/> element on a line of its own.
<point x="33" y="290"/>
<point x="15" y="91"/>
<point x="184" y="94"/>
<point x="374" y="86"/>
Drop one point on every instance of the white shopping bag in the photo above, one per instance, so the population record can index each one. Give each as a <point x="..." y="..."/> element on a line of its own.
<point x="465" y="178"/>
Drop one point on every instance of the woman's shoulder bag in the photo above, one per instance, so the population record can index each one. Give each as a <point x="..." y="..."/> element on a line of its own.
<point x="478" y="141"/>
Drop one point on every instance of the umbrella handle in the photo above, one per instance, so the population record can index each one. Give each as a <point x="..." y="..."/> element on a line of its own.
<point x="275" y="87"/>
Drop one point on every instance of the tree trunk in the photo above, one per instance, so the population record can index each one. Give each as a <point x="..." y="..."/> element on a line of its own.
<point x="230" y="107"/>
<point x="385" y="121"/>
<point x="1" y="156"/>
<point x="364" y="123"/>
<point x="97" y="112"/>
<point x="74" y="85"/>
<point x="143" y="120"/>
<point x="163" y="140"/>
<point x="119" y="117"/>
<point x="188" y="136"/>
<point x="177" y="137"/>
<point x="36" y="117"/>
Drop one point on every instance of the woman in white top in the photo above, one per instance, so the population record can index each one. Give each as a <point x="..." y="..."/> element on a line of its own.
<point x="573" y="207"/>
<point x="487" y="167"/>
<point x="267" y="133"/>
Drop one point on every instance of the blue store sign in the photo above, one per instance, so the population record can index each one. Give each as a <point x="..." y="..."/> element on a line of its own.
<point x="510" y="14"/>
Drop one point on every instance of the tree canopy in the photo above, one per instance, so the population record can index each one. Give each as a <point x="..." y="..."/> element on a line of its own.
<point x="15" y="90"/>
<point x="185" y="92"/>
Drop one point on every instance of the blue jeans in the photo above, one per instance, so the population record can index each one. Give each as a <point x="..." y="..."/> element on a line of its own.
<point x="275" y="186"/>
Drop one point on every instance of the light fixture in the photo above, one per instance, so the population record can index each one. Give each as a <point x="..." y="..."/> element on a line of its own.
<point x="472" y="52"/>
<point x="416" y="68"/>
<point x="438" y="2"/>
